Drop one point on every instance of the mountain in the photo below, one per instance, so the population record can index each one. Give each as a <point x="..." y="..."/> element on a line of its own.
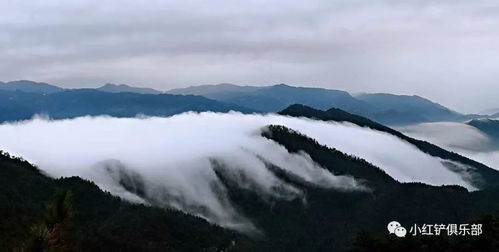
<point x="277" y="97"/>
<point x="88" y="219"/>
<point x="404" y="109"/>
<point x="219" y="91"/>
<point x="488" y="126"/>
<point x="483" y="175"/>
<point x="113" y="88"/>
<point x="77" y="215"/>
<point x="45" y="88"/>
<point x="80" y="102"/>
<point x="34" y="217"/>
<point x="384" y="108"/>
<point x="30" y="86"/>
<point x="359" y="212"/>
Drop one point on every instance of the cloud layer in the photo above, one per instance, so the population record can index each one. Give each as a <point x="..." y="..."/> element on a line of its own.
<point x="458" y="137"/>
<point x="450" y="134"/>
<point x="173" y="161"/>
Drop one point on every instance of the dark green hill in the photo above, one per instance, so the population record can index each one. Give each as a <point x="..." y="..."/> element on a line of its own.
<point x="484" y="176"/>
<point x="100" y="222"/>
<point x="327" y="220"/>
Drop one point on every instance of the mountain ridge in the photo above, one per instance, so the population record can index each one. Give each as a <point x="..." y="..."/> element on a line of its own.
<point x="30" y="86"/>
<point x="488" y="126"/>
<point x="119" y="88"/>
<point x="389" y="109"/>
<point x="386" y="108"/>
<point x="97" y="217"/>
<point x="80" y="102"/>
<point x="412" y="107"/>
<point x="277" y="97"/>
<point x="328" y="218"/>
<point x="487" y="177"/>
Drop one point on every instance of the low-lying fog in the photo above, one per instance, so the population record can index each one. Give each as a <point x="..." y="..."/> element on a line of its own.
<point x="169" y="161"/>
<point x="458" y="137"/>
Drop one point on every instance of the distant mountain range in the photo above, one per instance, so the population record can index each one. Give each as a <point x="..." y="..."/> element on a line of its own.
<point x="17" y="105"/>
<point x="45" y="88"/>
<point x="30" y="86"/>
<point x="385" y="108"/>
<point x="404" y="109"/>
<point x="277" y="97"/>
<point x="388" y="109"/>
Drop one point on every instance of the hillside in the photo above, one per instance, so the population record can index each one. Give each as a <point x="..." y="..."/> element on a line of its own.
<point x="356" y="212"/>
<point x="80" y="102"/>
<point x="485" y="176"/>
<point x="328" y="219"/>
<point x="97" y="220"/>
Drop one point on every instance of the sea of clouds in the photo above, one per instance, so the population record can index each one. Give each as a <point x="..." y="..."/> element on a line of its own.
<point x="173" y="161"/>
<point x="458" y="137"/>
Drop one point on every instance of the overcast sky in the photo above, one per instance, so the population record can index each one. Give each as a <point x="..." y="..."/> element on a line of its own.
<point x="445" y="50"/>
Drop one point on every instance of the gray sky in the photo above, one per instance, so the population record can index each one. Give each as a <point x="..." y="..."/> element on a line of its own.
<point x="445" y="50"/>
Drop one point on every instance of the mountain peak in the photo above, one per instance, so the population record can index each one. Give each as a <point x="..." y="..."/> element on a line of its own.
<point x="30" y="87"/>
<point x="115" y="85"/>
<point x="123" y="88"/>
<point x="112" y="85"/>
<point x="282" y="85"/>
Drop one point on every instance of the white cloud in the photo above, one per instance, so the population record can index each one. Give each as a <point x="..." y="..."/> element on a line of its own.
<point x="449" y="135"/>
<point x="488" y="158"/>
<point x="169" y="161"/>
<point x="458" y="137"/>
